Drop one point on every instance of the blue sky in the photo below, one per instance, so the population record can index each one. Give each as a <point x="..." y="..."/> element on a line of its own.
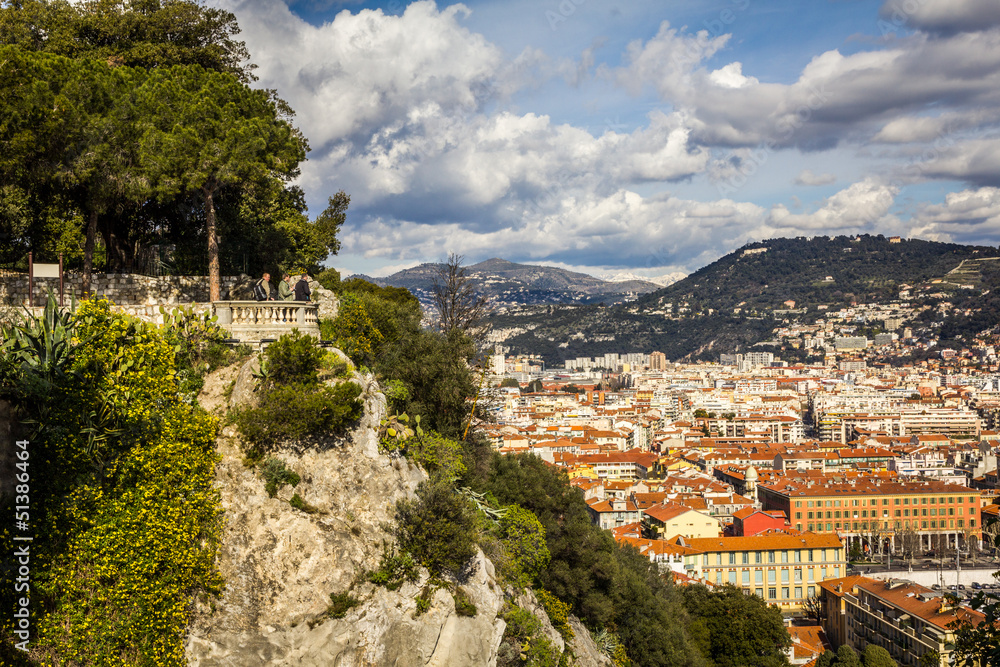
<point x="646" y="137"/>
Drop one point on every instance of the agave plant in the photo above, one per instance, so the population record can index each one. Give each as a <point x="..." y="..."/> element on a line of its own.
<point x="42" y="346"/>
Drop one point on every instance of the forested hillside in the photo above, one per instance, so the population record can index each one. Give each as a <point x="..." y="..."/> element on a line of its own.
<point x="738" y="300"/>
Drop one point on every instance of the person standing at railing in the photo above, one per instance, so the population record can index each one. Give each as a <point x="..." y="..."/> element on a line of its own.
<point x="302" y="291"/>
<point x="285" y="292"/>
<point x="262" y="290"/>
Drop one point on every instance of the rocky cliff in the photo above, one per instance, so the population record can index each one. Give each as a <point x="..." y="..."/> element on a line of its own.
<point x="282" y="564"/>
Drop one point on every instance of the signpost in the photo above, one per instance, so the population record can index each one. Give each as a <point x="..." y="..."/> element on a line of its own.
<point x="44" y="271"/>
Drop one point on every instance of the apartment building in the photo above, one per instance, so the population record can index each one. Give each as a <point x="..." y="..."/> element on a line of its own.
<point x="911" y="622"/>
<point x="782" y="568"/>
<point x="938" y="514"/>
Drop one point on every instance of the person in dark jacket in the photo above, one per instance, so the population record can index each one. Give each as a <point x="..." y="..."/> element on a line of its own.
<point x="302" y="291"/>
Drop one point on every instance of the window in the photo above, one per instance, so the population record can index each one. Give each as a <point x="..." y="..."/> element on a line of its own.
<point x="809" y="503"/>
<point x="809" y="515"/>
<point x="798" y="556"/>
<point x="770" y="556"/>
<point x="836" y="515"/>
<point x="864" y="514"/>
<point x="923" y="511"/>
<point x="746" y="557"/>
<point x="784" y="556"/>
<point x="784" y="576"/>
<point x="895" y="501"/>
<point x="836" y="503"/>
<point x="771" y="576"/>
<point x="972" y="511"/>
<point x="772" y="593"/>
<point x="798" y="575"/>
<point x="784" y="593"/>
<point x="885" y="501"/>
<point x="961" y="523"/>
<point x="746" y="576"/>
<point x="758" y="577"/>
<point x="933" y="524"/>
<point x="756" y="556"/>
<point x="732" y="576"/>
<point x="951" y="500"/>
<point x="798" y="526"/>
<point x="972" y="523"/>
<point x="829" y="528"/>
<point x="933" y="501"/>
<point x="718" y="559"/>
<point x="923" y="524"/>
<point x="812" y="526"/>
<point x="951" y="511"/>
<point x="759" y="592"/>
<point x="718" y="577"/>
<point x="897" y="513"/>
<point x="824" y="554"/>
<point x="854" y="503"/>
<point x="972" y="499"/>
<point x="923" y="501"/>
<point x="704" y="560"/>
<point x="829" y="504"/>
<point x="940" y="501"/>
<point x="798" y="503"/>
<point x="933" y="510"/>
<point x="810" y="555"/>
<point x="812" y="591"/>
<point x="906" y="501"/>
<point x="906" y="512"/>
<point x="798" y="515"/>
<point x="829" y="515"/>
<point x="732" y="558"/>
<point x="798" y="592"/>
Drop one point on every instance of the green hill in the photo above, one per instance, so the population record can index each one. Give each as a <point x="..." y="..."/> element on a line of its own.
<point x="737" y="300"/>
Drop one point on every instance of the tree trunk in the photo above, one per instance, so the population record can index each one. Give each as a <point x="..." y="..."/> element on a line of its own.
<point x="88" y="251"/>
<point x="214" y="290"/>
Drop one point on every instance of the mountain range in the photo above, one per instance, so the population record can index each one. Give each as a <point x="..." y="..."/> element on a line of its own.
<point x="507" y="284"/>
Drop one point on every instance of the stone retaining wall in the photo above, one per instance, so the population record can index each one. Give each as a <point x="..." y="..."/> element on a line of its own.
<point x="123" y="289"/>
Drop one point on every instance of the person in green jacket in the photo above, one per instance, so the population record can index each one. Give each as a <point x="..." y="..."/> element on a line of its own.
<point x="285" y="292"/>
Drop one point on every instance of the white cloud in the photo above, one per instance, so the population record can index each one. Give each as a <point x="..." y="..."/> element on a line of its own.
<point x="976" y="161"/>
<point x="969" y="216"/>
<point x="807" y="177"/>
<point x="940" y="16"/>
<point x="859" y="207"/>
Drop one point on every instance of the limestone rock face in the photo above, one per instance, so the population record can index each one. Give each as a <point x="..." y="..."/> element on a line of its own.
<point x="586" y="651"/>
<point x="244" y="389"/>
<point x="281" y="565"/>
<point x="329" y="304"/>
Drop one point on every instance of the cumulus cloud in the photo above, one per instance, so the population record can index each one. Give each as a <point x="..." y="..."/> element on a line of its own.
<point x="807" y="177"/>
<point x="411" y="114"/>
<point x="836" y="97"/>
<point x="940" y="16"/>
<point x="969" y="216"/>
<point x="859" y="207"/>
<point x="975" y="161"/>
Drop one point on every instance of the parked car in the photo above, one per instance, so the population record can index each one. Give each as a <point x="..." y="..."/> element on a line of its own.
<point x="936" y="587"/>
<point x="976" y="586"/>
<point x="961" y="587"/>
<point x="951" y="587"/>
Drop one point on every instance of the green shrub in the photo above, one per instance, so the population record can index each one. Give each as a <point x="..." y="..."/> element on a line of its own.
<point x="298" y="412"/>
<point x="340" y="604"/>
<point x="438" y="528"/>
<point x="329" y="279"/>
<point x="335" y="365"/>
<point x="523" y="641"/>
<point x="523" y="538"/>
<point x="557" y="611"/>
<point x="424" y="599"/>
<point x="463" y="605"/>
<point x="393" y="569"/>
<point x="276" y="474"/>
<point x="294" y="359"/>
<point x="298" y="503"/>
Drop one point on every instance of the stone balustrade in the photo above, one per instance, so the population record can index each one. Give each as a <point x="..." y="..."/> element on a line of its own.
<point x="258" y="320"/>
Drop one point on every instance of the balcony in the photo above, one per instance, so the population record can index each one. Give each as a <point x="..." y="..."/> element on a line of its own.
<point x="252" y="321"/>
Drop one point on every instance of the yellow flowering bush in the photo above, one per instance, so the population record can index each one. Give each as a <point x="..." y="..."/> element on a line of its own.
<point x="125" y="518"/>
